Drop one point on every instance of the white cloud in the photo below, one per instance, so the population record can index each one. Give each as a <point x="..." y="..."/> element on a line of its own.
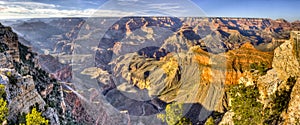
<point x="156" y="7"/>
<point x="113" y="8"/>
<point x="14" y="10"/>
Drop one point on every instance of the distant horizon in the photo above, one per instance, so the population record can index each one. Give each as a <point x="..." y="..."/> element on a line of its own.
<point x="146" y="16"/>
<point x="272" y="9"/>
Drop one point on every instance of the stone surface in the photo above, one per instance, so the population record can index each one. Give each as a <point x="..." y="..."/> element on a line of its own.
<point x="284" y="66"/>
<point x="285" y="62"/>
<point x="227" y="118"/>
<point x="10" y="39"/>
<point x="294" y="107"/>
<point x="6" y="61"/>
<point x="51" y="114"/>
<point x="22" y="95"/>
<point x="268" y="84"/>
<point x="22" y="86"/>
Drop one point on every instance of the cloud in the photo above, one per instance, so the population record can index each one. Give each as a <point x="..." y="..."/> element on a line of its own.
<point x="112" y="8"/>
<point x="167" y="7"/>
<point x="15" y="10"/>
<point x="155" y="7"/>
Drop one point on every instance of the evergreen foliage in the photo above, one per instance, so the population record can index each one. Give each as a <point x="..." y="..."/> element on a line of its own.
<point x="261" y="67"/>
<point x="248" y="111"/>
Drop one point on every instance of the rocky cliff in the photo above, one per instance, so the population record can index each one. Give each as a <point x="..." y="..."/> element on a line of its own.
<point x="280" y="82"/>
<point x="9" y="42"/>
<point x="27" y="85"/>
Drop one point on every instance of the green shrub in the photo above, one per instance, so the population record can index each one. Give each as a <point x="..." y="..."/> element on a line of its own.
<point x="174" y="115"/>
<point x="261" y="67"/>
<point x="3" y="110"/>
<point x="244" y="104"/>
<point x="248" y="110"/>
<point x="35" y="118"/>
<point x="210" y="121"/>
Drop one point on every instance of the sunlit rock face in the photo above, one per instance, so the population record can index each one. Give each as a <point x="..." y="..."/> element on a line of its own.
<point x="285" y="58"/>
<point x="293" y="114"/>
<point x="282" y="76"/>
<point x="190" y="64"/>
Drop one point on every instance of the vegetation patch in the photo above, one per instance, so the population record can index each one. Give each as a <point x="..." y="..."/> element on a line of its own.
<point x="245" y="105"/>
<point x="3" y="110"/>
<point x="249" y="110"/>
<point x="262" y="68"/>
<point x="174" y="115"/>
<point x="35" y="118"/>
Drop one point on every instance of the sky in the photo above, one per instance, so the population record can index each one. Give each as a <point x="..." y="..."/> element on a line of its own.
<point x="287" y="9"/>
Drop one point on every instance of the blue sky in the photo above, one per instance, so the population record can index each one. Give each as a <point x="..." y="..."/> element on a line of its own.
<point x="287" y="9"/>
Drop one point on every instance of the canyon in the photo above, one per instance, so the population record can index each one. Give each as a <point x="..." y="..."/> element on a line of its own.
<point x="92" y="70"/>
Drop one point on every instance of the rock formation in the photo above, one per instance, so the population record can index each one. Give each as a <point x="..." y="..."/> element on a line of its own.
<point x="26" y="84"/>
<point x="189" y="71"/>
<point x="279" y="78"/>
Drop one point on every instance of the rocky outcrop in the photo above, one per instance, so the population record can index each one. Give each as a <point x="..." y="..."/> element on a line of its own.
<point x="291" y="69"/>
<point x="268" y="84"/>
<point x="26" y="82"/>
<point x="22" y="95"/>
<point x="9" y="39"/>
<point x="295" y="36"/>
<point x="285" y="60"/>
<point x="294" y="107"/>
<point x="283" y="76"/>
<point x="240" y="60"/>
<point x="6" y="61"/>
<point x="284" y="66"/>
<point x="227" y="118"/>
